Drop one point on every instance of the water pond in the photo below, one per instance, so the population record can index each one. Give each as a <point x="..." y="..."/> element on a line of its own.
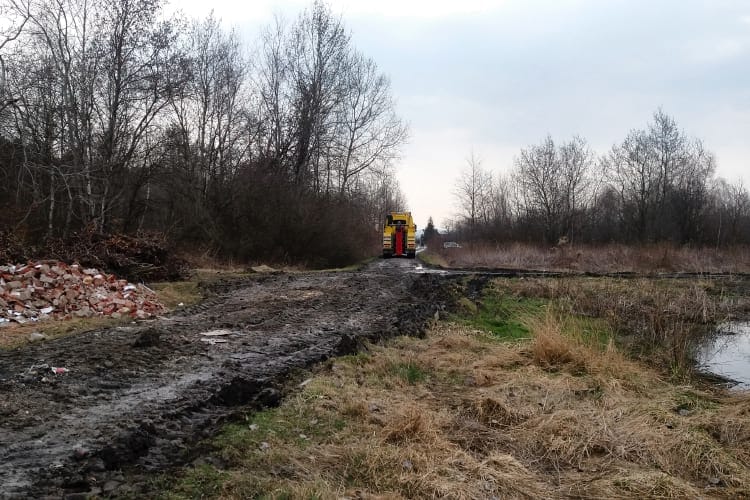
<point x="727" y="354"/>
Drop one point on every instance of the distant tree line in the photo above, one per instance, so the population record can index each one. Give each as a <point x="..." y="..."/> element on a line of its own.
<point x="117" y="117"/>
<point x="657" y="185"/>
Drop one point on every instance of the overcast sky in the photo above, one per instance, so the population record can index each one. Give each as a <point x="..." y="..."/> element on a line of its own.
<point x="493" y="76"/>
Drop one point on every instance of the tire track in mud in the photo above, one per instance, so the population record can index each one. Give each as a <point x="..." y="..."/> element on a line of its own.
<point x="141" y="396"/>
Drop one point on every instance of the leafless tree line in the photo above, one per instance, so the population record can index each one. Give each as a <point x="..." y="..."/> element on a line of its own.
<point x="115" y="116"/>
<point x="657" y="185"/>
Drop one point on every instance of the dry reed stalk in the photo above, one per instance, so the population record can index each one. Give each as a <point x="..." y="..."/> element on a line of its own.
<point x="632" y="483"/>
<point x="660" y="257"/>
<point x="551" y="349"/>
<point x="414" y="424"/>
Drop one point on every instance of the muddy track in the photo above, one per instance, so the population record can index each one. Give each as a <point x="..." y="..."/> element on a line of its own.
<point x="505" y="272"/>
<point x="140" y="397"/>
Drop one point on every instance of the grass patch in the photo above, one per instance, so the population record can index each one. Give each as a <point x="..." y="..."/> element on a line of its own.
<point x="456" y="416"/>
<point x="175" y="294"/>
<point x="409" y="372"/>
<point x="660" y="321"/>
<point x="505" y="317"/>
<point x="203" y="481"/>
<point x="490" y="420"/>
<point x="595" y="332"/>
<point x="261" y="430"/>
<point x="358" y="359"/>
<point x="18" y="335"/>
<point x="691" y="401"/>
<point x="432" y="258"/>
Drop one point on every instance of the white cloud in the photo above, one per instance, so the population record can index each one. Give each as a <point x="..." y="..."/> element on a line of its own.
<point x="236" y="13"/>
<point x="421" y="9"/>
<point x="261" y="10"/>
<point x="719" y="50"/>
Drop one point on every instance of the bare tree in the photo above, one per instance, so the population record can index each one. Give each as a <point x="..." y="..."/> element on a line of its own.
<point x="46" y="113"/>
<point x="689" y="194"/>
<point x="137" y="86"/>
<point x="92" y="78"/>
<point x="370" y="131"/>
<point x="273" y="85"/>
<point x="210" y="110"/>
<point x="329" y="115"/>
<point x="126" y="118"/>
<point x="662" y="178"/>
<point x="554" y="182"/>
<point x="502" y="201"/>
<point x="473" y="193"/>
<point x="732" y="211"/>
<point x="633" y="174"/>
<point x="318" y="52"/>
<point x="15" y="14"/>
<point x="576" y="164"/>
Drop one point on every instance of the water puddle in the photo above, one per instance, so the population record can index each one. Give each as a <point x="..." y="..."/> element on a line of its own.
<point x="727" y="354"/>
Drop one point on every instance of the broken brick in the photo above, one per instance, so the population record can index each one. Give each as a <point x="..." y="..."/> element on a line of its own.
<point x="55" y="290"/>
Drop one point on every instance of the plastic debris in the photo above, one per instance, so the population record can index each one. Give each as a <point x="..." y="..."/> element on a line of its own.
<point x="216" y="333"/>
<point x="58" y="370"/>
<point x="33" y="369"/>
<point x="213" y="341"/>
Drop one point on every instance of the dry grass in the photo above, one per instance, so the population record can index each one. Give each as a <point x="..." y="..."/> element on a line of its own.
<point x="554" y="417"/>
<point x="659" y="320"/>
<point x="178" y="293"/>
<point x="600" y="259"/>
<point x="551" y="349"/>
<point x="17" y="335"/>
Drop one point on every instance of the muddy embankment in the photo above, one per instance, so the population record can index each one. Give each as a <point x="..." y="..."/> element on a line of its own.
<point x="140" y="397"/>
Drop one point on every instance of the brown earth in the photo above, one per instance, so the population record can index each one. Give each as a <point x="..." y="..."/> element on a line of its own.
<point x="140" y="397"/>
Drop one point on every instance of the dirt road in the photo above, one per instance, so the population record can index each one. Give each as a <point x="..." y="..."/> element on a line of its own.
<point x="140" y="397"/>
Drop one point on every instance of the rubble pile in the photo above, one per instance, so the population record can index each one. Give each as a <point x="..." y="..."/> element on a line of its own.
<point x="51" y="289"/>
<point x="143" y="257"/>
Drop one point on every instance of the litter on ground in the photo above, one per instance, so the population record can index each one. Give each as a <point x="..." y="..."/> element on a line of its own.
<point x="213" y="341"/>
<point x="216" y="333"/>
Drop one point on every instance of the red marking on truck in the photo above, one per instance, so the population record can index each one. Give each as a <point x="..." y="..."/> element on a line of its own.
<point x="400" y="241"/>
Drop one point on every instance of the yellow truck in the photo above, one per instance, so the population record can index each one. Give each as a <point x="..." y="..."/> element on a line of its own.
<point x="399" y="235"/>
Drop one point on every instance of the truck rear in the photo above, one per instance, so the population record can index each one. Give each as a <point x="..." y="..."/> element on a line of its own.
<point x="399" y="235"/>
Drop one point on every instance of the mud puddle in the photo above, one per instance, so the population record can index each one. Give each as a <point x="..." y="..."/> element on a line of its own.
<point x="140" y="397"/>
